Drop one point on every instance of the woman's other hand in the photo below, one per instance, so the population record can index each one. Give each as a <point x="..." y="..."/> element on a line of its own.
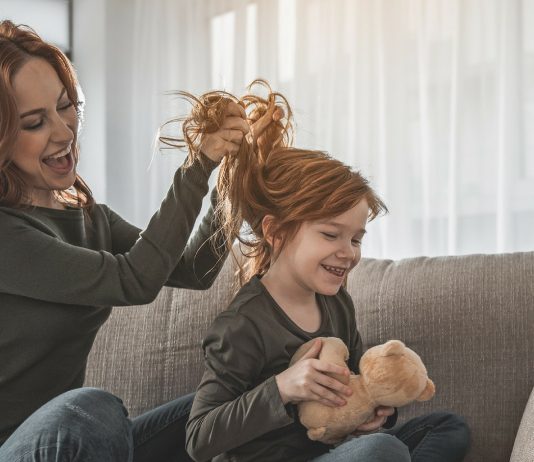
<point x="307" y="380"/>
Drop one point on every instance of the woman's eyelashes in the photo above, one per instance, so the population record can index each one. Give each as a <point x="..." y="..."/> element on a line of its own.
<point x="39" y="123"/>
<point x="34" y="126"/>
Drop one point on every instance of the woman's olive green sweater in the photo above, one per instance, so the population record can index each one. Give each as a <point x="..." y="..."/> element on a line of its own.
<point x="61" y="272"/>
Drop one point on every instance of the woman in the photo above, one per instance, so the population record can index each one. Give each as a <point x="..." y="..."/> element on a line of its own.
<point x="65" y="260"/>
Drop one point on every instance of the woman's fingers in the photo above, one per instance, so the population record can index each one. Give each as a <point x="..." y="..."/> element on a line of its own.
<point x="236" y="123"/>
<point x="234" y="109"/>
<point x="278" y="113"/>
<point x="273" y="113"/>
<point x="234" y="136"/>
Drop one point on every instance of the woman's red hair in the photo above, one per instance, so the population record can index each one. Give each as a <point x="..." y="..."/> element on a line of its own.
<point x="18" y="44"/>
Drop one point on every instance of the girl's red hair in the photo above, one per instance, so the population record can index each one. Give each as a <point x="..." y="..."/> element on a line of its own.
<point x="271" y="178"/>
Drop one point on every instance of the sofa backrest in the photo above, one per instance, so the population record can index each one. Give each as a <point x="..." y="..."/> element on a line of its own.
<point x="470" y="318"/>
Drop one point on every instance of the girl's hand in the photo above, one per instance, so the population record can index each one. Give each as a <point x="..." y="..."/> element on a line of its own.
<point x="306" y="380"/>
<point x="378" y="420"/>
<point x="227" y="140"/>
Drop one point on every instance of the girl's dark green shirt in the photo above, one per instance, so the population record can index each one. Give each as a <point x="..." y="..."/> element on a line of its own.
<point x="238" y="414"/>
<point x="60" y="274"/>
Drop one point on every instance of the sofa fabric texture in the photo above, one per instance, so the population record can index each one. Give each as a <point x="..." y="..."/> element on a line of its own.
<point x="524" y="443"/>
<point x="470" y="318"/>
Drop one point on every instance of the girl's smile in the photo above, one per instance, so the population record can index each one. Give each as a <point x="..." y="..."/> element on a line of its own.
<point x="336" y="271"/>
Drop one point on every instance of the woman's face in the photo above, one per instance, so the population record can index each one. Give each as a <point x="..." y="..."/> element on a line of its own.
<point x="48" y="124"/>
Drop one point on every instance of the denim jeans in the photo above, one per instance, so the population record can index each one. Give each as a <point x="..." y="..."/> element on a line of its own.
<point x="437" y="437"/>
<point x="92" y="425"/>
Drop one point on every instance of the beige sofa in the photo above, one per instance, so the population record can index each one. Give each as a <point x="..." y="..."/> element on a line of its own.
<point x="471" y="318"/>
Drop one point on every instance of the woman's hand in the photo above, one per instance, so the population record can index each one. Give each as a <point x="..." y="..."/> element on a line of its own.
<point x="306" y="380"/>
<point x="227" y="140"/>
<point x="378" y="420"/>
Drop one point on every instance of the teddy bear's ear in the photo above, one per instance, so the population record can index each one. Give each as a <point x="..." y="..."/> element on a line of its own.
<point x="393" y="347"/>
<point x="428" y="392"/>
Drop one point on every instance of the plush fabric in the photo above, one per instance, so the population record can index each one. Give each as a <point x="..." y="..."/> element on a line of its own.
<point x="470" y="318"/>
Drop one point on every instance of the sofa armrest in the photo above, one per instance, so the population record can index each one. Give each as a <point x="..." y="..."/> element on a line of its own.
<point x="524" y="442"/>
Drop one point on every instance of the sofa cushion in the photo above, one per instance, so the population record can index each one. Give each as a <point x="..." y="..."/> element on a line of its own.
<point x="469" y="317"/>
<point x="471" y="320"/>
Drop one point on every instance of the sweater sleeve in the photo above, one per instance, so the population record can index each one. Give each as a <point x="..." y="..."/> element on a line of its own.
<point x="227" y="402"/>
<point x="37" y="264"/>
<point x="202" y="258"/>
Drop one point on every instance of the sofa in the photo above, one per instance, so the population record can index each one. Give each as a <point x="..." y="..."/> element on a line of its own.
<point x="470" y="318"/>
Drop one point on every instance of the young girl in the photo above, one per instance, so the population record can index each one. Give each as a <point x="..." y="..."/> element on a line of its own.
<point x="64" y="261"/>
<point x="307" y="216"/>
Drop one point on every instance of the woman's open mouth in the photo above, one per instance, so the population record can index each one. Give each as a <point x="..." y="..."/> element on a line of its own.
<point x="60" y="162"/>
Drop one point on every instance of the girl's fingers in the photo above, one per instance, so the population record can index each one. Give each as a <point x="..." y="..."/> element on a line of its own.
<point x="372" y="425"/>
<point x="385" y="411"/>
<point x="325" y="367"/>
<point x="314" y="350"/>
<point x="327" y="395"/>
<point x="333" y="384"/>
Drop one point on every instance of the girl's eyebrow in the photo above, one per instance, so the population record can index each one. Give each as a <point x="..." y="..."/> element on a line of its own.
<point x="41" y="110"/>
<point x="341" y="226"/>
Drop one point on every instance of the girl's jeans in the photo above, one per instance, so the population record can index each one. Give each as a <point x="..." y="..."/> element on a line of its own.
<point x="438" y="437"/>
<point x="91" y="425"/>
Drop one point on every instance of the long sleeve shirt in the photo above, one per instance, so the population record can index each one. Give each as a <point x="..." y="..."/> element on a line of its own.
<point x="61" y="271"/>
<point x="238" y="414"/>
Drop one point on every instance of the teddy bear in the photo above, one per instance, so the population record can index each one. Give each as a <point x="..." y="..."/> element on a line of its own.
<point x="391" y="374"/>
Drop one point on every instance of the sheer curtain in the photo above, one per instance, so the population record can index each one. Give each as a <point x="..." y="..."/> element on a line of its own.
<point x="433" y="101"/>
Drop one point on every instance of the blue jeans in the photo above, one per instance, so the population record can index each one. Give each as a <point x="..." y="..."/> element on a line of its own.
<point x="92" y="425"/>
<point x="437" y="437"/>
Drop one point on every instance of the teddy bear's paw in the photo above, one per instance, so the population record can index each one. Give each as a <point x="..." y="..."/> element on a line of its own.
<point x="315" y="434"/>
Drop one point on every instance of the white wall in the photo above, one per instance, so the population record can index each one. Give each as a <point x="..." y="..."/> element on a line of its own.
<point x="89" y="59"/>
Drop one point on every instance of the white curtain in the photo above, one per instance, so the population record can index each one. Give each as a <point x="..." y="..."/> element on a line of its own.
<point x="433" y="100"/>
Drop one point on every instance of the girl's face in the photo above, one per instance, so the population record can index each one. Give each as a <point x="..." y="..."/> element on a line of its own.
<point x="48" y="124"/>
<point x="323" y="252"/>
